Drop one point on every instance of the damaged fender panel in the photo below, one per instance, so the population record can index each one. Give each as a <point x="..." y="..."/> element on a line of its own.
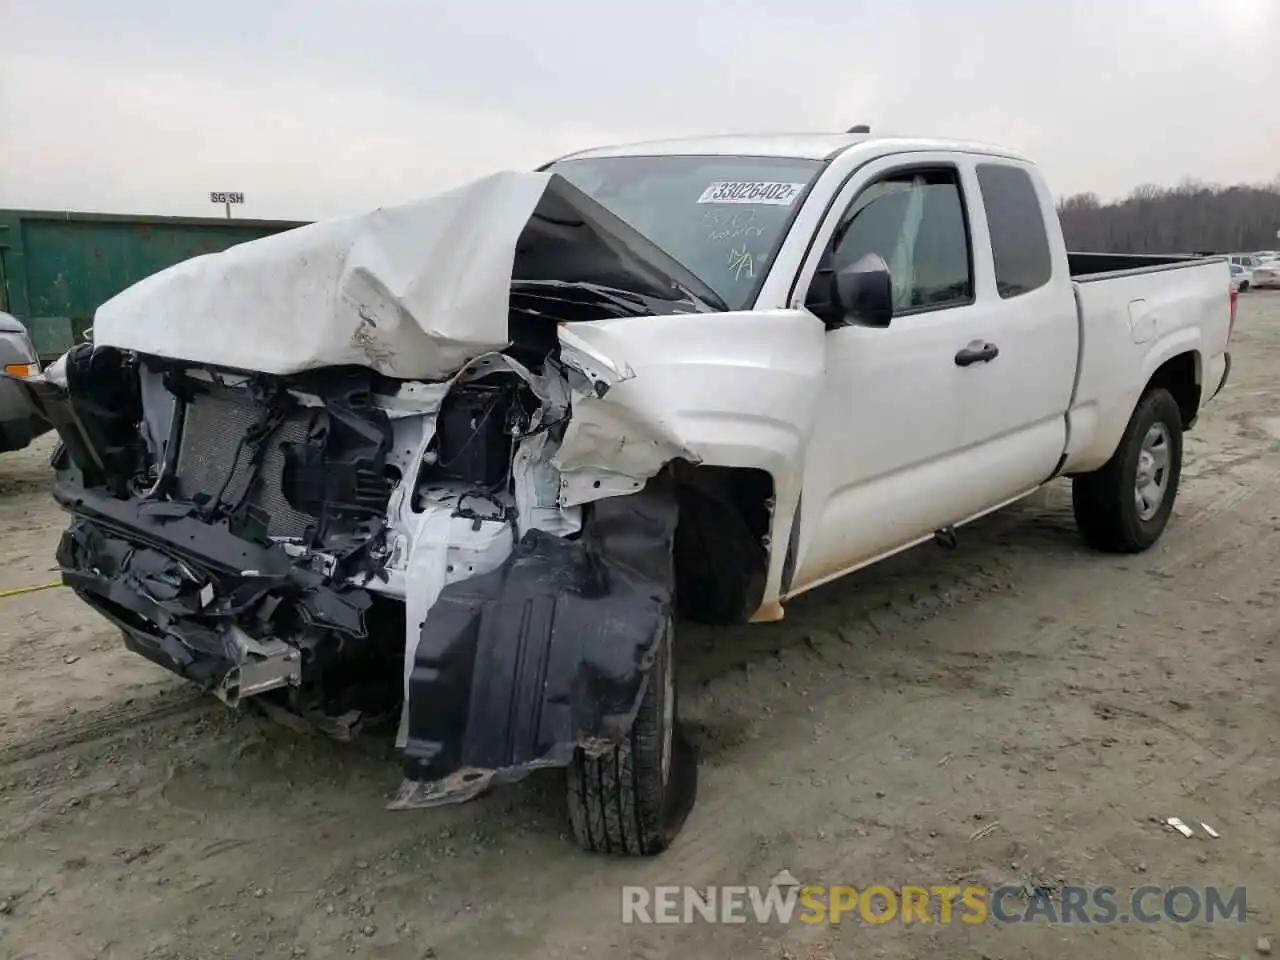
<point x="519" y="667"/>
<point x="728" y="389"/>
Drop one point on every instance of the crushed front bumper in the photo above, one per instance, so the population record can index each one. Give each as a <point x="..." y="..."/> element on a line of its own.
<point x="194" y="597"/>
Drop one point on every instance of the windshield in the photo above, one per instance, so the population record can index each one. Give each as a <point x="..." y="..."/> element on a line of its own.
<point x="722" y="217"/>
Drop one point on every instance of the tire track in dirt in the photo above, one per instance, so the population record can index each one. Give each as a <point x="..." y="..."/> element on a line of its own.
<point x="109" y="722"/>
<point x="1233" y="552"/>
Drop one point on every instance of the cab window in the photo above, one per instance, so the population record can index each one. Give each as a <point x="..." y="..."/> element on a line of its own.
<point x="915" y="220"/>
<point x="1015" y="219"/>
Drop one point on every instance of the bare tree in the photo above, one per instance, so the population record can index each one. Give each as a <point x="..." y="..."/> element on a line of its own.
<point x="1190" y="217"/>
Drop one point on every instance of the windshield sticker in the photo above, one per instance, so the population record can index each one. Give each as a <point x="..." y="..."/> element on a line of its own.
<point x="751" y="191"/>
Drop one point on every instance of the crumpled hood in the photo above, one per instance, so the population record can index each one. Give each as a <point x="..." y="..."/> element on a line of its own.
<point x="412" y="291"/>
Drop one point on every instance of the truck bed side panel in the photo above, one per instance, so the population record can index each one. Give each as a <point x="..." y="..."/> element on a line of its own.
<point x="1083" y="265"/>
<point x="1131" y="323"/>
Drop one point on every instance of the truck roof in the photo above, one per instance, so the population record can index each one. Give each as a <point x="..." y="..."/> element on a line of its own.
<point x="802" y="146"/>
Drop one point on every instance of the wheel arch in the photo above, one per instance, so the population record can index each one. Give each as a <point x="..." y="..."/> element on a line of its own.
<point x="723" y="542"/>
<point x="1096" y="429"/>
<point x="1182" y="376"/>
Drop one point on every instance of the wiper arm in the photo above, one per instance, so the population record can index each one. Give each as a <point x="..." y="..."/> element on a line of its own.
<point x="702" y="302"/>
<point x="624" y="299"/>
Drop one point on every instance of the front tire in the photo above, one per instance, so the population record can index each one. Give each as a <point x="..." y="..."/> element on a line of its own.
<point x="1124" y="505"/>
<point x="633" y="800"/>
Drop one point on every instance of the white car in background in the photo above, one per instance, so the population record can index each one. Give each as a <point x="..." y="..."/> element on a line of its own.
<point x="1266" y="274"/>
<point x="1242" y="265"/>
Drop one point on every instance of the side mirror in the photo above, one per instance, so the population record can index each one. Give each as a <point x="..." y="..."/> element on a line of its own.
<point x="863" y="293"/>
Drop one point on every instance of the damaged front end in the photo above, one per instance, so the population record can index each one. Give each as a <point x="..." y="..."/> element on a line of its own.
<point x="230" y="524"/>
<point x="427" y="464"/>
<point x="346" y="547"/>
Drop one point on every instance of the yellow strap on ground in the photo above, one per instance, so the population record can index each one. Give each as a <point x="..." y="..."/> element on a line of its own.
<point x="40" y="586"/>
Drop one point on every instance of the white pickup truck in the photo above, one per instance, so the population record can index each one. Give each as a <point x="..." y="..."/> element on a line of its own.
<point x="462" y="462"/>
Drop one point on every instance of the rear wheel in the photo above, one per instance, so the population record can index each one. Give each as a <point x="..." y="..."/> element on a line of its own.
<point x="1124" y="505"/>
<point x="633" y="800"/>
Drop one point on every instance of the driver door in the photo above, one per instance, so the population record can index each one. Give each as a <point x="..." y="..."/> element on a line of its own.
<point x="885" y="464"/>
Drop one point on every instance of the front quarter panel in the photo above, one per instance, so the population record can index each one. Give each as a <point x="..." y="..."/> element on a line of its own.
<point x="726" y="389"/>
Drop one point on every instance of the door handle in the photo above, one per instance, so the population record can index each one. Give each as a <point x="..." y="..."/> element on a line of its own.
<point x="978" y="351"/>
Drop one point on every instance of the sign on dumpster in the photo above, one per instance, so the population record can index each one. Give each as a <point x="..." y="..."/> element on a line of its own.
<point x="226" y="198"/>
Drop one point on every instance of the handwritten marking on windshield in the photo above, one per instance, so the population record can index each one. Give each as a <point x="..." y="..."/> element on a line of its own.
<point x="741" y="263"/>
<point x="731" y="226"/>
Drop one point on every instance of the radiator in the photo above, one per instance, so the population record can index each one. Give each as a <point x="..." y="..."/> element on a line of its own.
<point x="215" y="423"/>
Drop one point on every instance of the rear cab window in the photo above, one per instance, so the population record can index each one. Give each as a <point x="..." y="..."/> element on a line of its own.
<point x="1015" y="221"/>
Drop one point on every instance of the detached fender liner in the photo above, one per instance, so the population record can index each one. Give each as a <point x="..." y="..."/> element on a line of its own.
<point x="518" y="668"/>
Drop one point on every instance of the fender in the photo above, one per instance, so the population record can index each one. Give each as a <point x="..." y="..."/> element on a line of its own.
<point x="735" y="389"/>
<point x="1096" y="426"/>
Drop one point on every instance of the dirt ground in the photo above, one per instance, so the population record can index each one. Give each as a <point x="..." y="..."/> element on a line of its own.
<point x="1016" y="711"/>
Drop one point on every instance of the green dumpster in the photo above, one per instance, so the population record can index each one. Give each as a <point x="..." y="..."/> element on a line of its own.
<point x="57" y="267"/>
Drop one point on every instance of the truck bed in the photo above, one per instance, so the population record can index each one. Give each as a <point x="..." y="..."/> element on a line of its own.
<point x="1085" y="267"/>
<point x="1134" y="313"/>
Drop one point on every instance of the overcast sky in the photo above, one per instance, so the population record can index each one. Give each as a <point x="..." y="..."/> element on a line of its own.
<point x="321" y="107"/>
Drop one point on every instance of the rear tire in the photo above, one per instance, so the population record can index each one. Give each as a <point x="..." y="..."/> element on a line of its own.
<point x="633" y="800"/>
<point x="1244" y="286"/>
<point x="1124" y="505"/>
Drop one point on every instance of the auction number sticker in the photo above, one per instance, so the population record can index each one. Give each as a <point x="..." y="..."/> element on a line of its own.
<point x="751" y="191"/>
